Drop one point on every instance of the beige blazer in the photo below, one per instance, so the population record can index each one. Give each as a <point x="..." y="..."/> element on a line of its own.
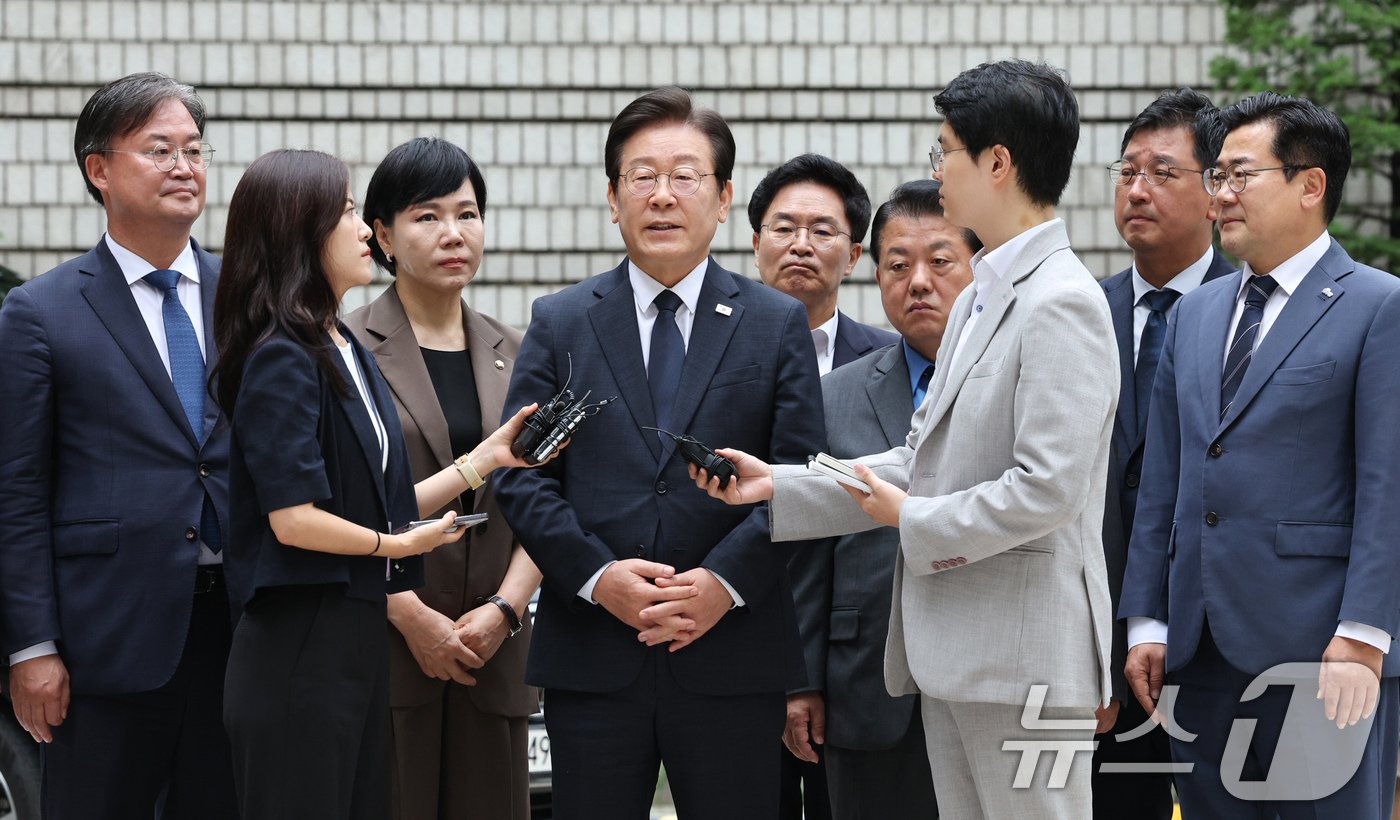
<point x="457" y="573"/>
<point x="1000" y="579"/>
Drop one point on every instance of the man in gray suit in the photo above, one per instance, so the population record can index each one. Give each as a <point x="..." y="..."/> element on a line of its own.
<point x="1000" y="616"/>
<point x="877" y="763"/>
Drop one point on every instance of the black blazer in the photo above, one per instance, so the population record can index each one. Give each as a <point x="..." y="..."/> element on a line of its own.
<point x="749" y="381"/>
<point x="102" y="479"/>
<point x="296" y="440"/>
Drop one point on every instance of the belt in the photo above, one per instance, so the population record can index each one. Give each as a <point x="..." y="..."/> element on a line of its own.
<point x="208" y="577"/>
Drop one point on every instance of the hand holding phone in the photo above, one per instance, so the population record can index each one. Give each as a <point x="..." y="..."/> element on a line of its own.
<point x="457" y="523"/>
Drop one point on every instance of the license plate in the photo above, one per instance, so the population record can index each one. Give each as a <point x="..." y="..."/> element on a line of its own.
<point x="538" y="750"/>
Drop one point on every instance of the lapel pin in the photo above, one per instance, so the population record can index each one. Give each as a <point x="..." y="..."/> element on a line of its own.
<point x="723" y="310"/>
<point x="500" y="365"/>
<point x="1326" y="293"/>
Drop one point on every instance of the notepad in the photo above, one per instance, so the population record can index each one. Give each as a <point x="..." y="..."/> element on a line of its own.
<point x="837" y="469"/>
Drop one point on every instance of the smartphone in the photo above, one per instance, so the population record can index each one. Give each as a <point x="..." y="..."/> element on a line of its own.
<point x="457" y="523"/>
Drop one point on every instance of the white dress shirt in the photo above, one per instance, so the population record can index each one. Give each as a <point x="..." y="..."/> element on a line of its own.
<point x="988" y="268"/>
<point x="1289" y="276"/>
<point x="644" y="292"/>
<point x="1183" y="283"/>
<point x="824" y="342"/>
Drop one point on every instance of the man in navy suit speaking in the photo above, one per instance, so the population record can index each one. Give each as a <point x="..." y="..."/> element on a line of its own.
<point x="1266" y="523"/>
<point x="112" y="460"/>
<point x="665" y="631"/>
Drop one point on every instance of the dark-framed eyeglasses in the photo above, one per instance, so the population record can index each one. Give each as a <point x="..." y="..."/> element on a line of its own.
<point x="683" y="181"/>
<point x="937" y="153"/>
<point x="821" y="235"/>
<point x="165" y="156"/>
<point x="1158" y="172"/>
<point x="1237" y="176"/>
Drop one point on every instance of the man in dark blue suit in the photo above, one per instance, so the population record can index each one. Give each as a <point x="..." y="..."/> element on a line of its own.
<point x="1163" y="214"/>
<point x="665" y="631"/>
<point x="809" y="217"/>
<point x="1266" y="522"/>
<point x="113" y="456"/>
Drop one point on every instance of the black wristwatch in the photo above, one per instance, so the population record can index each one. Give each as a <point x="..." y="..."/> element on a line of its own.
<point x="511" y="617"/>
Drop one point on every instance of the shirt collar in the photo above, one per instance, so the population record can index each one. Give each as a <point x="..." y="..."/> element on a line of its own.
<point x="988" y="266"/>
<point x="135" y="268"/>
<point x="829" y="326"/>
<point x="1289" y="274"/>
<point x="917" y="364"/>
<point x="1183" y="283"/>
<point x="645" y="289"/>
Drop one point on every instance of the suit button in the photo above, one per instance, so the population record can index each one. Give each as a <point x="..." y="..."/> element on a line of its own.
<point x="204" y="471"/>
<point x="1216" y="450"/>
<point x="191" y="533"/>
<point x="661" y="488"/>
<point x="1131" y="480"/>
<point x="1212" y="519"/>
<point x="959" y="561"/>
<point x="641" y="551"/>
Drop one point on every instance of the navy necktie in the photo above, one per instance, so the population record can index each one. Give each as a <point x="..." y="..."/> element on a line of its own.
<point x="1150" y="348"/>
<point x="1256" y="293"/>
<point x="187" y="373"/>
<point x="921" y="389"/>
<point x="667" y="357"/>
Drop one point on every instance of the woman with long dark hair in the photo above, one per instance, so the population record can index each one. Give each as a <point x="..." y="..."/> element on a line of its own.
<point x="457" y="689"/>
<point x="320" y="493"/>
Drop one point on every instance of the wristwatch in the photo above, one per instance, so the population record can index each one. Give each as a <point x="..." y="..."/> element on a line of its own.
<point x="511" y="618"/>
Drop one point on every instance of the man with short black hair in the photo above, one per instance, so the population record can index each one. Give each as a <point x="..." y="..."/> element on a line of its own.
<point x="665" y="632"/>
<point x="1266" y="520"/>
<point x="809" y="217"/>
<point x="113" y="457"/>
<point x="1164" y="215"/>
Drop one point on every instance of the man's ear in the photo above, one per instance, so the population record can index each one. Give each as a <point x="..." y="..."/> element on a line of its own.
<point x="1001" y="165"/>
<point x="1314" y="188"/>
<point x="726" y="198"/>
<point x="612" y="201"/>
<point x="856" y="251"/>
<point x="95" y="164"/>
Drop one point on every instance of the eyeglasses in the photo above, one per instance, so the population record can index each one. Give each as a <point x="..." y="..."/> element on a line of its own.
<point x="166" y="156"/>
<point x="1156" y="173"/>
<point x="1237" y="176"/>
<point x="683" y="181"/>
<point x="936" y="155"/>
<point x="820" y="234"/>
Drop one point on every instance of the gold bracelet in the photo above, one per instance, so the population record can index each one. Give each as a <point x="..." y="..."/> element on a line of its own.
<point x="464" y="466"/>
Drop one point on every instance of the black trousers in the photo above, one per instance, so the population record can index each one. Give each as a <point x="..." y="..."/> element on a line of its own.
<point x="307" y="706"/>
<point x="161" y="753"/>
<point x="883" y="784"/>
<point x="717" y="750"/>
<point x="802" y="787"/>
<point x="1139" y="795"/>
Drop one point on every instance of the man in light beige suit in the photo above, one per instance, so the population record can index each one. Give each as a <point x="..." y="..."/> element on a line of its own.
<point x="1000" y="582"/>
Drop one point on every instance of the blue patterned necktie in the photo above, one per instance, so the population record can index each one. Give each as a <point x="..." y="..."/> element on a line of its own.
<point x="187" y="372"/>
<point x="1150" y="348"/>
<point x="922" y="389"/>
<point x="1256" y="293"/>
<point x="667" y="357"/>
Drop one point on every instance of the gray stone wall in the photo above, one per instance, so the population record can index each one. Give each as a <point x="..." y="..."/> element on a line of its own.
<point x="528" y="88"/>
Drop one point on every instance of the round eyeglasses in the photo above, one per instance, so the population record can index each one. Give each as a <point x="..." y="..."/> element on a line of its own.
<point x="937" y="154"/>
<point x="165" y="156"/>
<point x="820" y="235"/>
<point x="1156" y="173"/>
<point x="1237" y="176"/>
<point x="683" y="181"/>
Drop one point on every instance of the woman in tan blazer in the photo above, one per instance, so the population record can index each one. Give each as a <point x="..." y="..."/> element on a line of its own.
<point x="458" y="644"/>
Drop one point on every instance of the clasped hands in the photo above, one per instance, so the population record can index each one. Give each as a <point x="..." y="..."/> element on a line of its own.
<point x="753" y="482"/>
<point x="450" y="650"/>
<point x="660" y="603"/>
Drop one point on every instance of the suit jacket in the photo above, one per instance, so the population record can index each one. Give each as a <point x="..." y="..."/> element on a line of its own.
<point x="749" y="381"/>
<point x="299" y="440"/>
<point x="842" y="585"/>
<point x="1000" y="574"/>
<point x="104" y="478"/>
<point x="854" y="340"/>
<point x="1125" y="460"/>
<point x="457" y="574"/>
<point x="1278" y="521"/>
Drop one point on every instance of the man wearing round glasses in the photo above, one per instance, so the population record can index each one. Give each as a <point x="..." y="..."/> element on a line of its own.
<point x="114" y="457"/>
<point x="1164" y="215"/>
<point x="665" y="629"/>
<point x="809" y="216"/>
<point x="1266" y="521"/>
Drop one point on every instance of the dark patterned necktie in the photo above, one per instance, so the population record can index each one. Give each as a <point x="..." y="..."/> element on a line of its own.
<point x="1150" y="347"/>
<point x="1256" y="293"/>
<point x="667" y="357"/>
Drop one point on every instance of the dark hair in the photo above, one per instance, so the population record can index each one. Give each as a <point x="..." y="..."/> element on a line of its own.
<point x="1183" y="108"/>
<point x="823" y="171"/>
<point x="421" y="169"/>
<point x="1306" y="135"/>
<point x="913" y="200"/>
<point x="669" y="105"/>
<point x="1026" y="107"/>
<point x="272" y="280"/>
<point x="124" y="105"/>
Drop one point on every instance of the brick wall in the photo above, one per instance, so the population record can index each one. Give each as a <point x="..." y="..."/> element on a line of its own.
<point x="528" y="88"/>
